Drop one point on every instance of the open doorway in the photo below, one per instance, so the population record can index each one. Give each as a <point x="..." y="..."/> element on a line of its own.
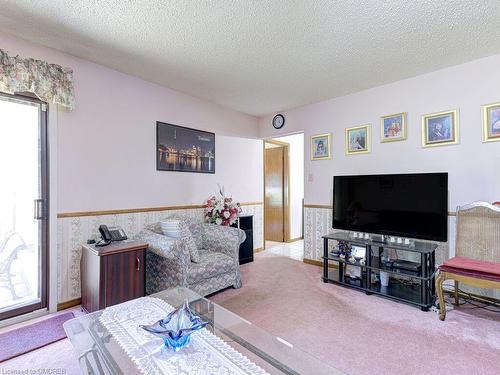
<point x="284" y="195"/>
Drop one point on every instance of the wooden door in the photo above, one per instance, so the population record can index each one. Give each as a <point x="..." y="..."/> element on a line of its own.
<point x="274" y="215"/>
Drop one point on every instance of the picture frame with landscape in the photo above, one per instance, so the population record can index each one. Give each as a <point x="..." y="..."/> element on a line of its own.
<point x="358" y="140"/>
<point x="321" y="145"/>
<point x="439" y="129"/>
<point x="393" y="127"/>
<point x="491" y="122"/>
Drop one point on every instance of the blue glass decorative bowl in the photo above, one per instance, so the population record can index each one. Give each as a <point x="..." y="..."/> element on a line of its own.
<point x="176" y="328"/>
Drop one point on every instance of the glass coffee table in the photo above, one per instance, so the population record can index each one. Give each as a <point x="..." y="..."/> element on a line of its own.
<point x="98" y="351"/>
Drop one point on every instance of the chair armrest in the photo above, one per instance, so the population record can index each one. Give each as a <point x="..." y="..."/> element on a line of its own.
<point x="223" y="239"/>
<point x="166" y="262"/>
<point x="170" y="250"/>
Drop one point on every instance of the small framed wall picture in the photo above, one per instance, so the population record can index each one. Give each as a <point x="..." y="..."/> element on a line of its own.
<point x="393" y="127"/>
<point x="491" y="122"/>
<point x="358" y="140"/>
<point x="440" y="129"/>
<point x="321" y="147"/>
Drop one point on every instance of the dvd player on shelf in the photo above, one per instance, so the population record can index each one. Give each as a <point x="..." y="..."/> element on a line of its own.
<point x="406" y="266"/>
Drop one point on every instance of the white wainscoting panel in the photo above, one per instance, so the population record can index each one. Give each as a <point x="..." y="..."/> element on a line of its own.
<point x="73" y="231"/>
<point x="318" y="222"/>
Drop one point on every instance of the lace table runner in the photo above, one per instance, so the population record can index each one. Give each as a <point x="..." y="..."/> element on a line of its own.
<point x="206" y="354"/>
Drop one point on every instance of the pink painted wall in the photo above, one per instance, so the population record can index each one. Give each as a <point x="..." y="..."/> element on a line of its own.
<point x="106" y="146"/>
<point x="473" y="166"/>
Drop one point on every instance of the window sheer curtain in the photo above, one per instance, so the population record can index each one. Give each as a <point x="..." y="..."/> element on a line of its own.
<point x="51" y="83"/>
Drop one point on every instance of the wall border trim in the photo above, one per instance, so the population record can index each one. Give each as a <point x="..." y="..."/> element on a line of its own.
<point x="318" y="206"/>
<point x="136" y="210"/>
<point x="68" y="304"/>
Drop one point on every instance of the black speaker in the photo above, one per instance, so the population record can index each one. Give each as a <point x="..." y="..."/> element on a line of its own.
<point x="246" y="248"/>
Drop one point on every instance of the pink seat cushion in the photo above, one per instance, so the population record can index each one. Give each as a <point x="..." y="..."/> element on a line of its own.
<point x="473" y="268"/>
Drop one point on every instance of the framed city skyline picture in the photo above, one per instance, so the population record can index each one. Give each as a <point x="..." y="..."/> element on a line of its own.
<point x="182" y="149"/>
<point x="440" y="128"/>
<point x="491" y="122"/>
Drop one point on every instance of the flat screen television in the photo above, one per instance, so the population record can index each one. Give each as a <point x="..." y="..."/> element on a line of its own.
<point x="407" y="205"/>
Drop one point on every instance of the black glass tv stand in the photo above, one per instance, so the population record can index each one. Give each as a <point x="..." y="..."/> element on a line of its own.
<point x="413" y="287"/>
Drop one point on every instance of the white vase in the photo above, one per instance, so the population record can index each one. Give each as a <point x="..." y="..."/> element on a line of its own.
<point x="384" y="278"/>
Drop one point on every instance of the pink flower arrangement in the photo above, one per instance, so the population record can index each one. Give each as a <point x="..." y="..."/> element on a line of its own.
<point x="221" y="210"/>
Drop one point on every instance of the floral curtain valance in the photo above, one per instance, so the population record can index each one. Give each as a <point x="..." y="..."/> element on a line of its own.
<point x="50" y="82"/>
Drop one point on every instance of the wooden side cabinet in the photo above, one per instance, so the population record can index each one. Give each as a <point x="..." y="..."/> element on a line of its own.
<point x="112" y="274"/>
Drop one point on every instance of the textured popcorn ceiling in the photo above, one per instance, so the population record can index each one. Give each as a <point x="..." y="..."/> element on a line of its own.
<point x="260" y="57"/>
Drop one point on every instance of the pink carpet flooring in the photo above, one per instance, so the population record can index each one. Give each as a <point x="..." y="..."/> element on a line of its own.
<point x="360" y="334"/>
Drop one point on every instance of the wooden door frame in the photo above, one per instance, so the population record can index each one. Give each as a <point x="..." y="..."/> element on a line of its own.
<point x="286" y="187"/>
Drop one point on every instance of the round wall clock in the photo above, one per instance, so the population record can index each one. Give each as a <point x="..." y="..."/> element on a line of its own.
<point x="278" y="121"/>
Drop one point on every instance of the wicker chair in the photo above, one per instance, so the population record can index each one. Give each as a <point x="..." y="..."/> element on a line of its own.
<point x="477" y="254"/>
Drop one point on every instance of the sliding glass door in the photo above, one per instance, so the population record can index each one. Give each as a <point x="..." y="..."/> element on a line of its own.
<point x="23" y="205"/>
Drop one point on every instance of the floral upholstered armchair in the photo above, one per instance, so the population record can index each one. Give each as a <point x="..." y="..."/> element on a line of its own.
<point x="169" y="260"/>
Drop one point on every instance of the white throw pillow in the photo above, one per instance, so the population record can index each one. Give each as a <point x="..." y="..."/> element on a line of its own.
<point x="179" y="229"/>
<point x="171" y="228"/>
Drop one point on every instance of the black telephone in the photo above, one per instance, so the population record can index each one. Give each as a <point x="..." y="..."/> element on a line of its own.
<point x="110" y="234"/>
